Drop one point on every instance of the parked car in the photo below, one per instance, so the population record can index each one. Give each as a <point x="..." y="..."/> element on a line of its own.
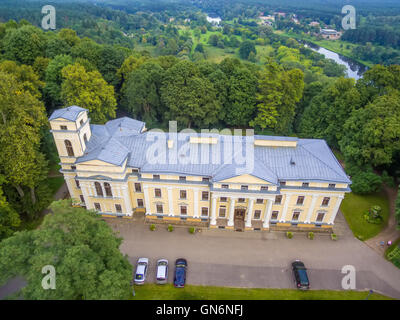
<point x="180" y="273"/>
<point x="141" y="270"/>
<point x="300" y="275"/>
<point x="162" y="271"/>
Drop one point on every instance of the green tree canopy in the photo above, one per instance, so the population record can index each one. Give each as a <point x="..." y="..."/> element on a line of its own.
<point x="88" y="90"/>
<point x="83" y="250"/>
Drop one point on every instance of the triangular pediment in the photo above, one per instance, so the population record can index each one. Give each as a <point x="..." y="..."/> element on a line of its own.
<point x="245" y="179"/>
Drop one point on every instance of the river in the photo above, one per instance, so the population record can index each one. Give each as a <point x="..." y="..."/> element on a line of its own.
<point x="354" y="69"/>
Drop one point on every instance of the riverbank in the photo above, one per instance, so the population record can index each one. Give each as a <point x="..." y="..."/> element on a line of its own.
<point x="343" y="48"/>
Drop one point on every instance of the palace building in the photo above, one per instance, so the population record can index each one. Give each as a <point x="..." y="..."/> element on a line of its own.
<point x="120" y="169"/>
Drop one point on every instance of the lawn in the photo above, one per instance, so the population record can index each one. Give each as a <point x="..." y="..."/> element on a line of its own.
<point x="353" y="208"/>
<point x="191" y="292"/>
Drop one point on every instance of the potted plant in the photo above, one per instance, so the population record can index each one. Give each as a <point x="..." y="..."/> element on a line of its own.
<point x="152" y="227"/>
<point x="289" y="235"/>
<point x="170" y="228"/>
<point x="311" y="235"/>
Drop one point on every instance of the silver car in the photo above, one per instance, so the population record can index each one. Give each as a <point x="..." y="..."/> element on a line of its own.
<point x="141" y="270"/>
<point x="162" y="271"/>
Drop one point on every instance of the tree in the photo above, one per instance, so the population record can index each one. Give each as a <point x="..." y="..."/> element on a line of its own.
<point x="397" y="209"/>
<point x="246" y="47"/>
<point x="142" y="92"/>
<point x="371" y="135"/>
<point x="22" y="116"/>
<point x="24" y="44"/>
<point x="366" y="182"/>
<point x="280" y="90"/>
<point x="9" y="219"/>
<point x="190" y="97"/>
<point x="81" y="247"/>
<point x="54" y="79"/>
<point x="88" y="90"/>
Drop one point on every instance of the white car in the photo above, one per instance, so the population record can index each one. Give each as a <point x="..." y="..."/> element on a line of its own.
<point x="141" y="270"/>
<point x="162" y="271"/>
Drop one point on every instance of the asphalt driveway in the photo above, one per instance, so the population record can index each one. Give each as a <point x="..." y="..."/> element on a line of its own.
<point x="259" y="259"/>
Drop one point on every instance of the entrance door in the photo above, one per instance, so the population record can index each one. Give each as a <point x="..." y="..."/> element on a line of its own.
<point x="239" y="219"/>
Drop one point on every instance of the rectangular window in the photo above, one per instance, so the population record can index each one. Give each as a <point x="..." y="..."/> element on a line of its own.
<point x="257" y="214"/>
<point x="204" y="212"/>
<point x="320" y="216"/>
<point x="140" y="203"/>
<point x="204" y="195"/>
<point x="156" y="176"/>
<point x="264" y="188"/>
<point x="283" y="183"/>
<point x="223" y="199"/>
<point x="182" y="194"/>
<point x="274" y="215"/>
<point x="82" y="198"/>
<point x="244" y="187"/>
<point x="222" y="212"/>
<point x="184" y="210"/>
<point x="241" y="200"/>
<point x="260" y="201"/>
<point x="296" y="216"/>
<point x="332" y="186"/>
<point x="135" y="170"/>
<point x="159" y="208"/>
<point x="97" y="206"/>
<point x="118" y="208"/>
<point x="225" y="186"/>
<point x="182" y="178"/>
<point x="63" y="127"/>
<point x="325" y="201"/>
<point x="306" y="184"/>
<point x="138" y="187"/>
<point x="77" y="184"/>
<point x="300" y="200"/>
<point x="157" y="193"/>
<point x="278" y="199"/>
<point x="206" y="179"/>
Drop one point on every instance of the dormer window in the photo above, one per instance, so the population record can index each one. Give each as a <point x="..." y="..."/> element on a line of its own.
<point x="63" y="127"/>
<point x="81" y="122"/>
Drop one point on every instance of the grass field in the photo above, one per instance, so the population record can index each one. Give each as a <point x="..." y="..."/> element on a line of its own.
<point x="191" y="292"/>
<point x="353" y="208"/>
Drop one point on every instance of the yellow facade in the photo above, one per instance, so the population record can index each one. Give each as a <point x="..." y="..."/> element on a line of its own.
<point x="234" y="203"/>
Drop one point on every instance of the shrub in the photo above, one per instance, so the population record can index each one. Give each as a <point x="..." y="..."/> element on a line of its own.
<point x="289" y="234"/>
<point x="170" y="228"/>
<point x="152" y="227"/>
<point x="334" y="236"/>
<point x="192" y="230"/>
<point x="388" y="180"/>
<point x="374" y="215"/>
<point x="311" y="235"/>
<point x="366" y="182"/>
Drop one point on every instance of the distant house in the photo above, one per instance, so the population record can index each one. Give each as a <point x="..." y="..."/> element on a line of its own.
<point x="280" y="14"/>
<point x="330" y="34"/>
<point x="266" y="20"/>
<point x="314" y="24"/>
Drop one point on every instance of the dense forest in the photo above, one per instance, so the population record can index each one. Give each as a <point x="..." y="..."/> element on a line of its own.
<point x="173" y="64"/>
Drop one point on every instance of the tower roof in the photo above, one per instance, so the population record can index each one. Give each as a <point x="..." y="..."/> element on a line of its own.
<point x="70" y="113"/>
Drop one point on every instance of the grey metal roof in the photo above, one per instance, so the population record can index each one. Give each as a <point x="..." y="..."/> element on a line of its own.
<point x="121" y="139"/>
<point x="70" y="113"/>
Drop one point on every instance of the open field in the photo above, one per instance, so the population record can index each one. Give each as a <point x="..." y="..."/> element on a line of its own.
<point x="191" y="292"/>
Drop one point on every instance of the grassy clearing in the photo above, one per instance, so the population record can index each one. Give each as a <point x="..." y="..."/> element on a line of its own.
<point x="191" y="292"/>
<point x="353" y="208"/>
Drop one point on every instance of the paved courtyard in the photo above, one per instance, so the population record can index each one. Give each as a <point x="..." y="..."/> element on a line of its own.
<point x="259" y="259"/>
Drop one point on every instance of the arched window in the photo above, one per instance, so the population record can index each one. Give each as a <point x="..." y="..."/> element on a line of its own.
<point x="85" y="137"/>
<point x="99" y="190"/>
<point x="70" y="150"/>
<point x="107" y="187"/>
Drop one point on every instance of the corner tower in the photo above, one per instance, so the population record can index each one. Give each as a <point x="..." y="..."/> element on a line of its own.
<point x="71" y="131"/>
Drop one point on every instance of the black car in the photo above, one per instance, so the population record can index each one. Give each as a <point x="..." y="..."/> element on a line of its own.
<point x="180" y="273"/>
<point x="300" y="275"/>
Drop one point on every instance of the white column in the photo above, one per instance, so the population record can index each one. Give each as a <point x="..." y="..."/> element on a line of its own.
<point x="146" y="199"/>
<point x="170" y="202"/>
<point x="196" y="203"/>
<point x="267" y="214"/>
<point x="69" y="186"/>
<point x="84" y="187"/>
<point x="249" y="213"/>
<point x="285" y="208"/>
<point x="311" y="209"/>
<point x="335" y="209"/>
<point x="213" y="221"/>
<point x="231" y="212"/>
<point x="89" y="186"/>
<point x="127" y="200"/>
